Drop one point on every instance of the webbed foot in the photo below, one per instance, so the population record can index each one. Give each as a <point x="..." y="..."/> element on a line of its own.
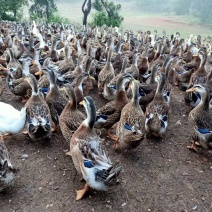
<point x="81" y="193"/>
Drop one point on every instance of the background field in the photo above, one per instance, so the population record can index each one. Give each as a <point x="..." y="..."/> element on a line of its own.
<point x="136" y="20"/>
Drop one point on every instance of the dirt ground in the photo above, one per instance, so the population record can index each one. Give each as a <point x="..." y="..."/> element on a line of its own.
<point x="158" y="176"/>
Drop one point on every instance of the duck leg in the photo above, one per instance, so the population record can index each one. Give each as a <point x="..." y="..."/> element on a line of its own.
<point x="193" y="147"/>
<point x="25" y="132"/>
<point x="54" y="129"/>
<point x="81" y="193"/>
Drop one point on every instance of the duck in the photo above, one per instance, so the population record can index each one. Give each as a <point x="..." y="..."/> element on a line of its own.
<point x="198" y="77"/>
<point x="36" y="66"/>
<point x="67" y="65"/>
<point x="38" y="121"/>
<point x="143" y="63"/>
<point x="14" y="65"/>
<point x="70" y="118"/>
<point x="181" y="74"/>
<point x="110" y="91"/>
<point x="105" y="75"/>
<point x="12" y="121"/>
<point x="6" y="168"/>
<point x="149" y="89"/>
<point x="71" y="75"/>
<point x="130" y="126"/>
<point x="166" y="68"/>
<point x="111" y="112"/>
<point x="20" y="87"/>
<point x="157" y="112"/>
<point x="89" y="156"/>
<point x="78" y="88"/>
<point x="133" y="69"/>
<point x="200" y="118"/>
<point x="55" y="99"/>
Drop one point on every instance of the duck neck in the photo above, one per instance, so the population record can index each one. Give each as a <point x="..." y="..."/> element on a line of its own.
<point x="42" y="43"/>
<point x="91" y="117"/>
<point x="72" y="100"/>
<point x="124" y="65"/>
<point x="79" y="82"/>
<point x="11" y="55"/>
<point x="67" y="53"/>
<point x="135" y="99"/>
<point x="160" y="87"/>
<point x="34" y="88"/>
<point x="36" y="56"/>
<point x="108" y="63"/>
<point x="203" y="61"/>
<point x="204" y="102"/>
<point x="121" y="94"/>
<point x="135" y="60"/>
<point x="153" y="74"/>
<point x="25" y="68"/>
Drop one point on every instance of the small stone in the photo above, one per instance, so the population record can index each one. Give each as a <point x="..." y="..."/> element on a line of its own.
<point x="123" y="204"/>
<point x="203" y="198"/>
<point x="149" y="210"/>
<point x="178" y="123"/>
<point x="10" y="200"/>
<point x="56" y="188"/>
<point x="40" y="189"/>
<point x="194" y="208"/>
<point x="24" y="156"/>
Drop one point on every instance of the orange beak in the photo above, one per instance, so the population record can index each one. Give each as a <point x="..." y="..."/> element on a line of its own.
<point x="190" y="90"/>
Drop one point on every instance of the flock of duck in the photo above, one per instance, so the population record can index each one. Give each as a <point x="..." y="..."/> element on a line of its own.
<point x="53" y="68"/>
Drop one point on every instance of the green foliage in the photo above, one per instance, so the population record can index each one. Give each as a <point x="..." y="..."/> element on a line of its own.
<point x="11" y="9"/>
<point x="42" y="9"/>
<point x="106" y="13"/>
<point x="56" y="18"/>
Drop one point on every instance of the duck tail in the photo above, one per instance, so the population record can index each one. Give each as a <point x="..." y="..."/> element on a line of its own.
<point x="113" y="173"/>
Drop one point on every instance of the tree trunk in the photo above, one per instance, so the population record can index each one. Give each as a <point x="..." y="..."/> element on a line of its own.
<point x="15" y="13"/>
<point x="86" y="11"/>
<point x="47" y="10"/>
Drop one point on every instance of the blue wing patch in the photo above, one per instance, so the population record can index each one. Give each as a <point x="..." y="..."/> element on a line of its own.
<point x="204" y="131"/>
<point x="88" y="164"/>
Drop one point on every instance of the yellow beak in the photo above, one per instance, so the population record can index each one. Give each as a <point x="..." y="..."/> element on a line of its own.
<point x="90" y="77"/>
<point x="190" y="90"/>
<point x="82" y="102"/>
<point x="39" y="73"/>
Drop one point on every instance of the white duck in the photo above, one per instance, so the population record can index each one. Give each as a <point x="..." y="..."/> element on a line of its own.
<point x="11" y="120"/>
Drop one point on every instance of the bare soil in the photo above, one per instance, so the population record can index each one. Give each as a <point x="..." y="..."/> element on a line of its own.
<point x="160" y="175"/>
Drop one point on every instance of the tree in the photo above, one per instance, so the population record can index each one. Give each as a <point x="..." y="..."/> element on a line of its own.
<point x="11" y="6"/>
<point x="86" y="11"/>
<point x="107" y="13"/>
<point x="42" y="8"/>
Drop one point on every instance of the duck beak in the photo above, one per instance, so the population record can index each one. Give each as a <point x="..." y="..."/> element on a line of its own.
<point x="190" y="90"/>
<point x="62" y="88"/>
<point x="38" y="73"/>
<point x="196" y="55"/>
<point x="90" y="77"/>
<point x="82" y="102"/>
